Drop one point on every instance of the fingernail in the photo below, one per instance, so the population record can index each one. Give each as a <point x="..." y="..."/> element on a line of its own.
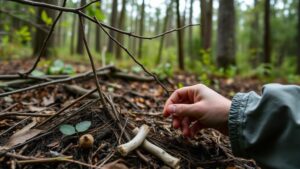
<point x="171" y="109"/>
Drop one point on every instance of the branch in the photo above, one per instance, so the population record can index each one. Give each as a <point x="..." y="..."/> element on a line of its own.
<point x="133" y="58"/>
<point x="160" y="153"/>
<point x="92" y="63"/>
<point x="83" y="75"/>
<point x="124" y="149"/>
<point x="78" y="11"/>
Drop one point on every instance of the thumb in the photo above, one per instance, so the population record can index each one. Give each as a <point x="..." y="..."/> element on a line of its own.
<point x="180" y="110"/>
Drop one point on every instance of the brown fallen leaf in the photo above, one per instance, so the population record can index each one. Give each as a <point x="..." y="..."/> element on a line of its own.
<point x="118" y="164"/>
<point x="23" y="135"/>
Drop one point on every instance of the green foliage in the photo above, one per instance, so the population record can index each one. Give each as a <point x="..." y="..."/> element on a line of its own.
<point x="23" y="34"/>
<point x="45" y="18"/>
<point x="83" y="126"/>
<point x="37" y="73"/>
<point x="94" y="10"/>
<point x="164" y="70"/>
<point x="58" y="67"/>
<point x="68" y="129"/>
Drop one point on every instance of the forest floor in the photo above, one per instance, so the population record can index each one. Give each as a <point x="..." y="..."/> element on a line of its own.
<point x="138" y="100"/>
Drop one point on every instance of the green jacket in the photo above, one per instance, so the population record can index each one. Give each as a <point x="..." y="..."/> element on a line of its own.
<point x="267" y="128"/>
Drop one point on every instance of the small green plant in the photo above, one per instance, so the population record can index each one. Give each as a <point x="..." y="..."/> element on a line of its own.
<point x="59" y="67"/>
<point x="68" y="129"/>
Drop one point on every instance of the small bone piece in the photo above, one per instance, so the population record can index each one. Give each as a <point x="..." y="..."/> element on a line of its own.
<point x="124" y="149"/>
<point x="159" y="153"/>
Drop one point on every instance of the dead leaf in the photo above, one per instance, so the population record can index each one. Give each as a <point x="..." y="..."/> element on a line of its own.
<point x="118" y="164"/>
<point x="23" y="135"/>
<point x="36" y="109"/>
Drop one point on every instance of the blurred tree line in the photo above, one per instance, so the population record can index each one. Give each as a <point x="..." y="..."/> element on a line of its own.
<point x="246" y="34"/>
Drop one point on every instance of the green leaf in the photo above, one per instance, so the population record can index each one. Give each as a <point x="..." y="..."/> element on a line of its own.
<point x="68" y="69"/>
<point x="37" y="73"/>
<point x="67" y="129"/>
<point x="46" y="18"/>
<point x="58" y="63"/>
<point x="83" y="126"/>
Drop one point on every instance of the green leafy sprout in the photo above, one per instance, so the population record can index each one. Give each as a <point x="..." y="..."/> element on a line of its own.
<point x="68" y="129"/>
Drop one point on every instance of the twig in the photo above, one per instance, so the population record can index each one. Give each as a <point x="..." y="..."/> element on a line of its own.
<point x="92" y="63"/>
<point x="78" y="11"/>
<point x="24" y="114"/>
<point x="83" y="75"/>
<point x="68" y="106"/>
<point x="15" y="125"/>
<point x="124" y="149"/>
<point x="132" y="57"/>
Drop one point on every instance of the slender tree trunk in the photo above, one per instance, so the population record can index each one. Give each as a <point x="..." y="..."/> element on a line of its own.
<point x="226" y="34"/>
<point x="202" y="21"/>
<point x="157" y="25"/>
<point x="98" y="36"/>
<point x="161" y="43"/>
<point x="208" y="25"/>
<point x="254" y="41"/>
<point x="141" y="29"/>
<point x="191" y="30"/>
<point x="40" y="36"/>
<point x="113" y="23"/>
<point x="267" y="44"/>
<point x="72" y="41"/>
<point x="179" y="39"/>
<point x="120" y="37"/>
<point x="298" y="39"/>
<point x="80" y="45"/>
<point x="132" y="27"/>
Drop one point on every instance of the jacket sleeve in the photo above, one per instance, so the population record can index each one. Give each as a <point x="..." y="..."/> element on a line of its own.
<point x="266" y="128"/>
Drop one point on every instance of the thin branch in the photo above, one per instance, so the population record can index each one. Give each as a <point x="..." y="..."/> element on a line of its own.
<point x="133" y="58"/>
<point x="92" y="63"/>
<point x="24" y="114"/>
<point x="77" y="11"/>
<point x="83" y="75"/>
<point x="45" y="43"/>
<point x="88" y="4"/>
<point x="68" y="106"/>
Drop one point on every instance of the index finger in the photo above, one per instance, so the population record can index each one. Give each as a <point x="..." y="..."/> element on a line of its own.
<point x="178" y="96"/>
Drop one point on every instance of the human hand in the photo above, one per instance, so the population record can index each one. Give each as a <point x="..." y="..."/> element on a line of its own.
<point x="195" y="107"/>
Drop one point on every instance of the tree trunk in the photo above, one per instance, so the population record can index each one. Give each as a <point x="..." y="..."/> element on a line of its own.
<point x="72" y="42"/>
<point x="298" y="39"/>
<point x="141" y="29"/>
<point x="202" y="21"/>
<point x="80" y="45"/>
<point x="226" y="34"/>
<point x="161" y="43"/>
<point x="40" y="35"/>
<point x="113" y="23"/>
<point x="254" y="38"/>
<point x="120" y="37"/>
<point x="208" y="26"/>
<point x="157" y="26"/>
<point x="267" y="44"/>
<point x="179" y="39"/>
<point x="191" y="30"/>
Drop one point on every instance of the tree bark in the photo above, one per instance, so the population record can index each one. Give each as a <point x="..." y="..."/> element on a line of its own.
<point x="113" y="23"/>
<point x="208" y="25"/>
<point x="298" y="39"/>
<point x="267" y="44"/>
<point x="141" y="29"/>
<point x="120" y="37"/>
<point x="179" y="39"/>
<point x="161" y="43"/>
<point x="72" y="43"/>
<point x="226" y="34"/>
<point x="191" y="30"/>
<point x="40" y="35"/>
<point x="254" y="39"/>
<point x="80" y="45"/>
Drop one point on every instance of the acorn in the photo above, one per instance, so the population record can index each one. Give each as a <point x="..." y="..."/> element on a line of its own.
<point x="86" y="141"/>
